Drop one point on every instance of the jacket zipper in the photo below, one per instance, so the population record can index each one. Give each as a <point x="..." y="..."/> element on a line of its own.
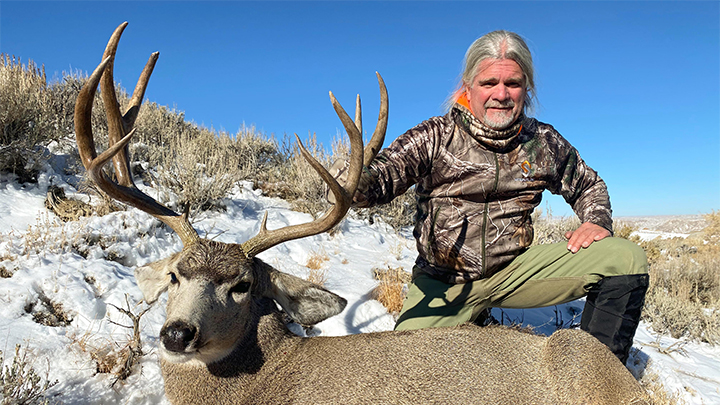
<point x="486" y="214"/>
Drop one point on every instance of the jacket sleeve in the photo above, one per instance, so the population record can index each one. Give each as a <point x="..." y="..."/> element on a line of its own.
<point x="582" y="187"/>
<point x="401" y="165"/>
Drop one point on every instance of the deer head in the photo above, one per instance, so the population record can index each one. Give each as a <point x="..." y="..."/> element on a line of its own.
<point x="214" y="289"/>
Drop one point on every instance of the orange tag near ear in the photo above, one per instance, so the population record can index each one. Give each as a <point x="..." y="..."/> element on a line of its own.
<point x="463" y="101"/>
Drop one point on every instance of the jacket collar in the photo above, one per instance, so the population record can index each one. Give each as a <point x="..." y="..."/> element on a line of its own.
<point x="482" y="133"/>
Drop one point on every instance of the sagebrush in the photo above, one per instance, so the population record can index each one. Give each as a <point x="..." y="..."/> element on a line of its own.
<point x="19" y="381"/>
<point x="198" y="165"/>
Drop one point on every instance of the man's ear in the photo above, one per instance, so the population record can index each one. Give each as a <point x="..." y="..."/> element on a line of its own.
<point x="306" y="303"/>
<point x="154" y="279"/>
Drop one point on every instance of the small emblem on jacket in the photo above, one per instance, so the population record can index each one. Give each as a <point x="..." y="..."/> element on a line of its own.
<point x="525" y="166"/>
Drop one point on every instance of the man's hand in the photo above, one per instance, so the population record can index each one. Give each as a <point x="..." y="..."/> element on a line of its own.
<point x="339" y="170"/>
<point x="586" y="234"/>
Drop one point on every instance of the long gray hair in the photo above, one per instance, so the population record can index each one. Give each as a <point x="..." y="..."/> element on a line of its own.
<point x="496" y="45"/>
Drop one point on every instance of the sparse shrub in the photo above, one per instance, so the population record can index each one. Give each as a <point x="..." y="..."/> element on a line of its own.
<point x="200" y="165"/>
<point x="290" y="177"/>
<point x="684" y="294"/>
<point x="23" y="123"/>
<point x="21" y="385"/>
<point x="112" y="357"/>
<point x="5" y="271"/>
<point x="48" y="312"/>
<point x="129" y="355"/>
<point x="317" y="274"/>
<point x="390" y="291"/>
<point x="293" y="179"/>
<point x="623" y="230"/>
<point x="67" y="209"/>
<point x="34" y="112"/>
<point x="711" y="234"/>
<point x="550" y="229"/>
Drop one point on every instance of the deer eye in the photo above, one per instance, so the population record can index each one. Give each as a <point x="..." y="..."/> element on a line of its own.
<point x="173" y="278"/>
<point x="240" y="288"/>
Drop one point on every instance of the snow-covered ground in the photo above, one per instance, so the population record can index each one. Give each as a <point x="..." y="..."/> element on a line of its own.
<point x="89" y="287"/>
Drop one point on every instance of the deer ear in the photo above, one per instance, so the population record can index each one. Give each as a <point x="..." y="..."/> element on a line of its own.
<point x="153" y="279"/>
<point x="305" y="302"/>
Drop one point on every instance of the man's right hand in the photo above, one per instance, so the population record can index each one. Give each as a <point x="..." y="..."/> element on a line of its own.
<point x="339" y="170"/>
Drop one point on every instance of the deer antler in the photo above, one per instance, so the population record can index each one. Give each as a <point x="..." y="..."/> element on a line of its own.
<point x="343" y="195"/>
<point x="119" y="134"/>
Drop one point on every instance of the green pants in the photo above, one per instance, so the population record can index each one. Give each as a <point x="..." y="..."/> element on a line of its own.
<point x="542" y="276"/>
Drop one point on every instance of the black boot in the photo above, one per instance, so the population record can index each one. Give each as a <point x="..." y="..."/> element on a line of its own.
<point x="612" y="311"/>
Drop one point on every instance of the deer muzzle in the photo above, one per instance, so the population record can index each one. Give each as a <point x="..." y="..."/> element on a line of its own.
<point x="178" y="336"/>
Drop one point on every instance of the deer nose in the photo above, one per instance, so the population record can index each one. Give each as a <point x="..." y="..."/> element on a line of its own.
<point x="177" y="336"/>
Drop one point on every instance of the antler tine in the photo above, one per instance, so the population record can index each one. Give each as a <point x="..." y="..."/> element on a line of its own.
<point x="120" y="125"/>
<point x="376" y="142"/>
<point x="343" y="195"/>
<point x="358" y="115"/>
<point x="126" y="192"/>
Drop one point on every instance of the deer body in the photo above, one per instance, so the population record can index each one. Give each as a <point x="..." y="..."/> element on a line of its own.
<point x="240" y="350"/>
<point x="224" y="340"/>
<point x="460" y="365"/>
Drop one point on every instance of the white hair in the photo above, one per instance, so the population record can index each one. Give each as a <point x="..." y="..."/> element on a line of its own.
<point x="497" y="45"/>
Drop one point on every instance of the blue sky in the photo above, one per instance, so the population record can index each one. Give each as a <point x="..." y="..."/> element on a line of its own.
<point x="635" y="86"/>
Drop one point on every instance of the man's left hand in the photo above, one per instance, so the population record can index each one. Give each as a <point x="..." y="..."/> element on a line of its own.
<point x="586" y="234"/>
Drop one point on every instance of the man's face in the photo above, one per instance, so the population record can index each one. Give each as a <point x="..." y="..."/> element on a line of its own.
<point x="497" y="94"/>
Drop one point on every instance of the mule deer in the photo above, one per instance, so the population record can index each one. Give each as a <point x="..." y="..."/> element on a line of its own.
<point x="225" y="341"/>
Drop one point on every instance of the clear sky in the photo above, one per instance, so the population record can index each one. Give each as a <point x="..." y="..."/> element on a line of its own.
<point x="635" y="86"/>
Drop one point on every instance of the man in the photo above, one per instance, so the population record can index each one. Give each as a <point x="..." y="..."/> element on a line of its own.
<point x="479" y="172"/>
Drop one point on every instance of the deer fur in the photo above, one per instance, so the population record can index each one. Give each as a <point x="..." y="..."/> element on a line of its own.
<point x="245" y="354"/>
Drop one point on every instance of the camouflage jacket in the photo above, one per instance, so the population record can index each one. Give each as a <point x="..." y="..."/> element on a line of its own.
<point x="475" y="192"/>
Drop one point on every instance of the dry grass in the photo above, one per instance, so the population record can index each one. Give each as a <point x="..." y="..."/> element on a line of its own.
<point x="317" y="273"/>
<point x="391" y="290"/>
<point x="658" y="394"/>
<point x="48" y="235"/>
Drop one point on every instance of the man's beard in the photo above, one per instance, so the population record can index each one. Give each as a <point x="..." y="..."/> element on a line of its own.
<point x="501" y="121"/>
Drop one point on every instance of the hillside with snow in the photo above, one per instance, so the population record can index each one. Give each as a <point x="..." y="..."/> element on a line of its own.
<point x="69" y="279"/>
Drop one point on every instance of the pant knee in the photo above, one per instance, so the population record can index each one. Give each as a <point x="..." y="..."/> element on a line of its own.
<point x="625" y="257"/>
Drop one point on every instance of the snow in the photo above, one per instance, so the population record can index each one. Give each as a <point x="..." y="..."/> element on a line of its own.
<point x="647" y="235"/>
<point x="89" y="287"/>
